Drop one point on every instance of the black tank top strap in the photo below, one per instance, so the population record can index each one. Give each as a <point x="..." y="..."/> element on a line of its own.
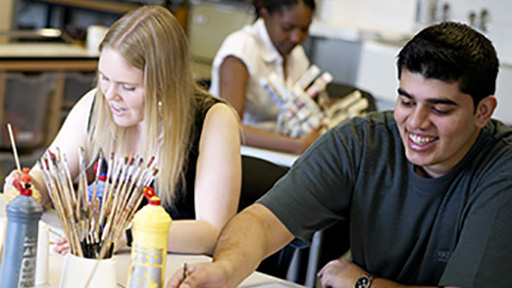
<point x="90" y="113"/>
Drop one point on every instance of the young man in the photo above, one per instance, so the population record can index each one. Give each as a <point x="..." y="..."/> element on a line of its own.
<point x="427" y="190"/>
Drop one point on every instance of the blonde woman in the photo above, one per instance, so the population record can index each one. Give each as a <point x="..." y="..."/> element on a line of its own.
<point x="146" y="102"/>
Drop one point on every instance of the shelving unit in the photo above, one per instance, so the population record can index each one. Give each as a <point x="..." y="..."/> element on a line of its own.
<point x="59" y="59"/>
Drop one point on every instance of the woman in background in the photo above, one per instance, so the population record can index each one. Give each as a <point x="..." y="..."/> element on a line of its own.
<point x="148" y="103"/>
<point x="271" y="44"/>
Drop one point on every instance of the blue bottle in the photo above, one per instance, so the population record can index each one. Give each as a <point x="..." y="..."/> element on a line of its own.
<point x="20" y="247"/>
<point x="100" y="189"/>
<point x="100" y="184"/>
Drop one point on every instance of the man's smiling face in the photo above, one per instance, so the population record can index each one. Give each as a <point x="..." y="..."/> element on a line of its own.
<point x="437" y="122"/>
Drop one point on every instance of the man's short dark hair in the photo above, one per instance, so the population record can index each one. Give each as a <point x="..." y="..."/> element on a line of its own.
<point x="453" y="52"/>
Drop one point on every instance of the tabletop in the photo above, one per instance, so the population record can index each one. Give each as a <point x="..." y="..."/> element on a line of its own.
<point x="174" y="261"/>
<point x="279" y="158"/>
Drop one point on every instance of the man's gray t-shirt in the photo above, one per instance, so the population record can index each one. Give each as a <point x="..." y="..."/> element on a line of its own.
<point x="452" y="230"/>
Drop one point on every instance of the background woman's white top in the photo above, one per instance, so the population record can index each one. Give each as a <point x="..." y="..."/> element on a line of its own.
<point x="252" y="45"/>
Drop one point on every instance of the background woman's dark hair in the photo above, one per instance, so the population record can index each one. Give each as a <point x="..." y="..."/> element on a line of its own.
<point x="277" y="5"/>
<point x="453" y="52"/>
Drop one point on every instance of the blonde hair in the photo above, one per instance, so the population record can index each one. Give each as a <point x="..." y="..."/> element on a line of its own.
<point x="151" y="39"/>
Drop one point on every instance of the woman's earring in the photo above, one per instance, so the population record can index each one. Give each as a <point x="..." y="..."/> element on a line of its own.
<point x="159" y="107"/>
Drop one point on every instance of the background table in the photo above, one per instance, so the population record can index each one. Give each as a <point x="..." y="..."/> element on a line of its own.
<point x="276" y="157"/>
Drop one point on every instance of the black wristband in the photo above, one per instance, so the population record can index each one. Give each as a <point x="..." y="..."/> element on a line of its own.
<point x="129" y="237"/>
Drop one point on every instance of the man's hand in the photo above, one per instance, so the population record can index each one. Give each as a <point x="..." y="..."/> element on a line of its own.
<point x="340" y="273"/>
<point x="205" y="275"/>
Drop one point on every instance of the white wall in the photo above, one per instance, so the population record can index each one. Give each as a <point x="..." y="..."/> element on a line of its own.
<point x="387" y="16"/>
<point x="400" y="16"/>
<point x="500" y="23"/>
<point x="377" y="71"/>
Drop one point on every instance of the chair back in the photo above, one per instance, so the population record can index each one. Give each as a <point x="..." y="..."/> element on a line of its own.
<point x="258" y="176"/>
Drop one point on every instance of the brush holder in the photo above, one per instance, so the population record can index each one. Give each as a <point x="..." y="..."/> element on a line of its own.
<point x="88" y="273"/>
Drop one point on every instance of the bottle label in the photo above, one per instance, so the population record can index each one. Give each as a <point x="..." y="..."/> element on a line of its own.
<point x="28" y="263"/>
<point x="147" y="267"/>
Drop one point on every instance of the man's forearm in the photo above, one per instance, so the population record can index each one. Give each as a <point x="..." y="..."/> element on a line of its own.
<point x="247" y="239"/>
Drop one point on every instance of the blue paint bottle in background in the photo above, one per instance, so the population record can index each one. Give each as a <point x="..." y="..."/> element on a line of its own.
<point x="100" y="189"/>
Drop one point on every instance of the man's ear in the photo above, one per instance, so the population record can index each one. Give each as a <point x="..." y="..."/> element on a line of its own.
<point x="485" y="109"/>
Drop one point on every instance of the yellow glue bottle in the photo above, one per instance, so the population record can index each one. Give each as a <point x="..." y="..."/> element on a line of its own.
<point x="149" y="248"/>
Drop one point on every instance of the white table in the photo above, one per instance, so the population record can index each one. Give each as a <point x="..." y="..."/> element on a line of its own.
<point x="174" y="261"/>
<point x="279" y="158"/>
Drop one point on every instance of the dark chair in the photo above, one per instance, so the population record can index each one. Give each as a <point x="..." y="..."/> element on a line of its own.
<point x="258" y="176"/>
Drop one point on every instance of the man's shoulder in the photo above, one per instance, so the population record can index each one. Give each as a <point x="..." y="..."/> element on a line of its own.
<point x="492" y="152"/>
<point x="499" y="130"/>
